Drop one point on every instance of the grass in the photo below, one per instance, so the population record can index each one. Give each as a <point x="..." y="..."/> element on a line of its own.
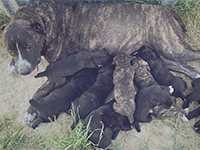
<point x="68" y="139"/>
<point x="17" y="137"/>
<point x="11" y="136"/>
<point x="4" y="20"/>
<point x="190" y="14"/>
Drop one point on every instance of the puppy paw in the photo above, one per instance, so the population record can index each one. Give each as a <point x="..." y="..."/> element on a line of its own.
<point x="184" y="118"/>
<point x="29" y="118"/>
<point x="186" y="110"/>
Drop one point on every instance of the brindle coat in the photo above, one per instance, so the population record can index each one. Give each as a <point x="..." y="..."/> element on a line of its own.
<point x="56" y="28"/>
<point x="124" y="90"/>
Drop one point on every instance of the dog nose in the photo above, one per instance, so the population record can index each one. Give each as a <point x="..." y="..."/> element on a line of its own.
<point x="24" y="71"/>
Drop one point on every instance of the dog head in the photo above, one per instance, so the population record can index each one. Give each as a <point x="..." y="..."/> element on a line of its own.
<point x="24" y="41"/>
<point x="121" y="59"/>
<point x="147" y="54"/>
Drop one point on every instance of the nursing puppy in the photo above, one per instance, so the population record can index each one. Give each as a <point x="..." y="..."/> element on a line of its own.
<point x="59" y="100"/>
<point x="194" y="95"/>
<point x="95" y="96"/>
<point x="197" y="127"/>
<point x="142" y="76"/>
<point x="59" y="70"/>
<point x="107" y="119"/>
<point x="161" y="73"/>
<point x="148" y="98"/>
<point x="143" y="79"/>
<point x="124" y="90"/>
<point x="194" y="113"/>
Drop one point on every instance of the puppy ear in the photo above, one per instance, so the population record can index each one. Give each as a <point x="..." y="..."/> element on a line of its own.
<point x="37" y="27"/>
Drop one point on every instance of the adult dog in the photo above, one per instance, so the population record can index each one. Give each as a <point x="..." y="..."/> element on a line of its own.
<point x="57" y="28"/>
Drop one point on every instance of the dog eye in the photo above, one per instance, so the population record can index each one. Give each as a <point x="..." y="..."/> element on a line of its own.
<point x="10" y="52"/>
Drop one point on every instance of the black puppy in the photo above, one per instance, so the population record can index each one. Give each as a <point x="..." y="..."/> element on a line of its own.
<point x="146" y="99"/>
<point x="59" y="100"/>
<point x="194" y="95"/>
<point x="59" y="70"/>
<point x="161" y="73"/>
<point x="107" y="119"/>
<point x="197" y="127"/>
<point x="194" y="113"/>
<point x="95" y="96"/>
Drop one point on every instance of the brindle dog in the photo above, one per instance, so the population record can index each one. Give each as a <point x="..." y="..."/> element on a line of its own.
<point x="124" y="90"/>
<point x="57" y="28"/>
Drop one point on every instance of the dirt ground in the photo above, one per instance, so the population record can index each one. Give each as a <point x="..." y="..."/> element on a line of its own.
<point x="168" y="134"/>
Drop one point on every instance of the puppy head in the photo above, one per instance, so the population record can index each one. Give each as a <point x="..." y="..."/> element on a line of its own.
<point x="121" y="60"/>
<point x="147" y="54"/>
<point x="24" y="42"/>
<point x="196" y="84"/>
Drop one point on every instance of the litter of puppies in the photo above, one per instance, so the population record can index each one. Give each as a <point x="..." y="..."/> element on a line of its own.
<point x="143" y="85"/>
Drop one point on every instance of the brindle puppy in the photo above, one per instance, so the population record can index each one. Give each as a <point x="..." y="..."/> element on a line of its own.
<point x="124" y="90"/>
<point x="142" y="77"/>
<point x="57" y="28"/>
<point x="161" y="73"/>
<point x="107" y="119"/>
<point x="95" y="96"/>
<point x="59" y="100"/>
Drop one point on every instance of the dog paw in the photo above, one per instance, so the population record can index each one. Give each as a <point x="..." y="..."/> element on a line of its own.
<point x="11" y="69"/>
<point x="29" y="118"/>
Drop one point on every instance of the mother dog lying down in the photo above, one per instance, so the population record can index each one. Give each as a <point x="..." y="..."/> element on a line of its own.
<point x="56" y="28"/>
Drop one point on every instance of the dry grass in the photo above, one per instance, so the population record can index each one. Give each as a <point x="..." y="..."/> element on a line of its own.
<point x="190" y="13"/>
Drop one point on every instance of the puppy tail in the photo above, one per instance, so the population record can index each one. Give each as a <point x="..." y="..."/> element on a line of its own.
<point x="137" y="126"/>
<point x="35" y="104"/>
<point x="41" y="74"/>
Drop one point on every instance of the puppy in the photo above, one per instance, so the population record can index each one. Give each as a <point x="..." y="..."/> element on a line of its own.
<point x="197" y="127"/>
<point x="142" y="76"/>
<point x="194" y="113"/>
<point x="146" y="99"/>
<point x="161" y="73"/>
<point x="96" y="95"/>
<point x="59" y="99"/>
<point x="194" y="95"/>
<point x="124" y="90"/>
<point x="59" y="70"/>
<point x="107" y="119"/>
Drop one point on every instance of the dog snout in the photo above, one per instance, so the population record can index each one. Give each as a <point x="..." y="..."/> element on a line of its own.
<point x="24" y="71"/>
<point x="24" y="67"/>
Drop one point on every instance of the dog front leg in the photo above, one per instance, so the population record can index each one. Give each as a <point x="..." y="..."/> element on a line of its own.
<point x="11" y="67"/>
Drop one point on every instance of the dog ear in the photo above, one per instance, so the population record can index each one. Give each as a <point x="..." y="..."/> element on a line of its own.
<point x="37" y="27"/>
